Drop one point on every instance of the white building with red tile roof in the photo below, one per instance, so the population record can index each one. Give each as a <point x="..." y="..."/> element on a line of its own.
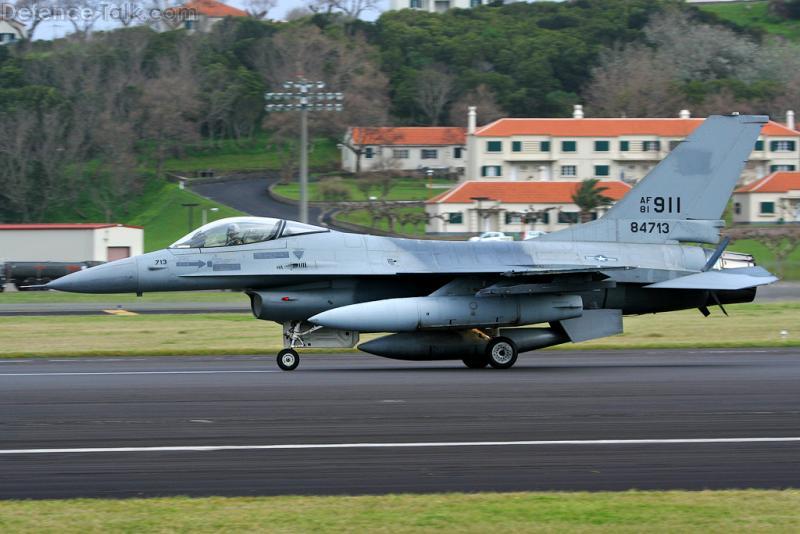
<point x="70" y="242"/>
<point x="199" y="15"/>
<point x="404" y="148"/>
<point x="513" y="207"/>
<point x="609" y="149"/>
<point x="772" y="199"/>
<point x="11" y="31"/>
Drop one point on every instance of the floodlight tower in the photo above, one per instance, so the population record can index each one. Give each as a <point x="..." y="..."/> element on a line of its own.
<point x="306" y="96"/>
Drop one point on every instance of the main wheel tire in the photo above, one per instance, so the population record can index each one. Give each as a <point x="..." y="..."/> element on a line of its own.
<point x="476" y="362"/>
<point x="501" y="353"/>
<point x="288" y="359"/>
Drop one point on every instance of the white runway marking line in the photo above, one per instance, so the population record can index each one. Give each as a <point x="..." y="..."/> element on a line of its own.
<point x="417" y="445"/>
<point x="141" y="373"/>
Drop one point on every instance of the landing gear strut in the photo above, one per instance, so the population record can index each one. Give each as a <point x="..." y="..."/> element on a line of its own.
<point x="288" y="359"/>
<point x="501" y="353"/>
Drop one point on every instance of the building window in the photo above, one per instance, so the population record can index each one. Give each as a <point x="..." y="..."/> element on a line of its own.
<point x="624" y="146"/>
<point x="568" y="146"/>
<point x="569" y="170"/>
<point x="369" y="152"/>
<point x="415" y="4"/>
<point x="189" y="25"/>
<point x="767" y="208"/>
<point x="777" y="168"/>
<point x="400" y="153"/>
<point x="601" y="146"/>
<point x="455" y="217"/>
<point x="429" y="153"/>
<point x="651" y="146"/>
<point x="759" y="145"/>
<point x="491" y="171"/>
<point x="457" y="151"/>
<point x="544" y="146"/>
<point x="781" y="146"/>
<point x="516" y="146"/>
<point x="737" y="208"/>
<point x="494" y="146"/>
<point x="568" y="217"/>
<point x="673" y="145"/>
<point x="513" y="218"/>
<point x="601" y="170"/>
<point x="7" y="37"/>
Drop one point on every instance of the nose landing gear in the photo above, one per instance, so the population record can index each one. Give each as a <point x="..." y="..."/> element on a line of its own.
<point x="288" y="359"/>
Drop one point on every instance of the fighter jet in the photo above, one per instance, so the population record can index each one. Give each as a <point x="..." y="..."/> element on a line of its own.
<point x="445" y="300"/>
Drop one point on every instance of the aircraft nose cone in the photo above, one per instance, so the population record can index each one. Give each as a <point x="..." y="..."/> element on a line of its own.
<point x="119" y="276"/>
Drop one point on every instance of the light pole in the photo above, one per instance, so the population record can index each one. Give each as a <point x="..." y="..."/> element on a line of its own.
<point x="191" y="206"/>
<point x="307" y="96"/>
<point x="205" y="214"/>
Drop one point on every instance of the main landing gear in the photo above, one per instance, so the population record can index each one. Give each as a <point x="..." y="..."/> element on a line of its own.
<point x="500" y="353"/>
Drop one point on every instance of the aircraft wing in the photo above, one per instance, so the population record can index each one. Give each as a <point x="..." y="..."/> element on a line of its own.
<point x="741" y="278"/>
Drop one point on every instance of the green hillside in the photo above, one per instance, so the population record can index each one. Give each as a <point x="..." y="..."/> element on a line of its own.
<point x="755" y="15"/>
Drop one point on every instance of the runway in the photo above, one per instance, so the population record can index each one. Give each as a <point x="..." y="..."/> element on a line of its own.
<point x="356" y="424"/>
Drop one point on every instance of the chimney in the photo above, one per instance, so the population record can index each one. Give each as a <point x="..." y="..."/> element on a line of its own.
<point x="577" y="111"/>
<point x="471" y="120"/>
<point x="790" y="119"/>
<point x="685" y="114"/>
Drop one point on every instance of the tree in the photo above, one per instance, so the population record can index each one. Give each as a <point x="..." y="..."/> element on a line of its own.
<point x="633" y="82"/>
<point x="351" y="9"/>
<point x="588" y="197"/>
<point x="435" y="89"/>
<point x="781" y="240"/>
<point x="259" y="9"/>
<point x="345" y="65"/>
<point x="483" y="98"/>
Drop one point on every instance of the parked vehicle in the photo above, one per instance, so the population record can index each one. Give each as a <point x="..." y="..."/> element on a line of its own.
<point x="33" y="273"/>
<point x="492" y="236"/>
<point x="532" y="234"/>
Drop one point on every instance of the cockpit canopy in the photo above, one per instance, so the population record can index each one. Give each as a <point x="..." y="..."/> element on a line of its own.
<point x="236" y="231"/>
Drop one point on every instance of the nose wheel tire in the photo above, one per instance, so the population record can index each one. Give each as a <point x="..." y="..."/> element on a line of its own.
<point x="501" y="353"/>
<point x="288" y="359"/>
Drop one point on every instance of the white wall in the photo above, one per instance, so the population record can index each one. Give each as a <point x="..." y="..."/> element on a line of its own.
<point x="68" y="245"/>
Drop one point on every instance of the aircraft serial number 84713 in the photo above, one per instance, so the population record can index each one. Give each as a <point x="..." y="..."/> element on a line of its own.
<point x="463" y="300"/>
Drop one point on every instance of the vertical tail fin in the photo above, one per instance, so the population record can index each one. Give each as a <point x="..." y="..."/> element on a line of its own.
<point x="684" y="196"/>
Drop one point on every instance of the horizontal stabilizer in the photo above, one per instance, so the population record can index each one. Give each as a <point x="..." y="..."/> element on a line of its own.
<point x="730" y="279"/>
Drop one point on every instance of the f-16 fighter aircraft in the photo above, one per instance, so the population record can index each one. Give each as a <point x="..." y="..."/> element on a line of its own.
<point x="444" y="300"/>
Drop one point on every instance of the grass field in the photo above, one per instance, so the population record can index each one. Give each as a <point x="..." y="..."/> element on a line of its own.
<point x="404" y="189"/>
<point x="165" y="220"/>
<point x="257" y="154"/>
<point x="750" y="325"/>
<point x="631" y="511"/>
<point x="790" y="270"/>
<point x="754" y="15"/>
<point x="363" y="218"/>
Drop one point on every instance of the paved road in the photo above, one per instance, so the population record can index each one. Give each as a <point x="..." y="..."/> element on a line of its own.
<point x="250" y="196"/>
<point x="336" y="400"/>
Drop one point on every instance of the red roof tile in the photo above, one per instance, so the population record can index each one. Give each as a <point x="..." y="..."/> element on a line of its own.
<point x="62" y="226"/>
<point x="777" y="182"/>
<point x="607" y="127"/>
<point x="524" y="192"/>
<point x="424" y="135"/>
<point x="211" y="8"/>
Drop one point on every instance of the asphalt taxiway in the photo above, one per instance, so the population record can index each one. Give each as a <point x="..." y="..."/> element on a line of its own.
<point x="578" y="420"/>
